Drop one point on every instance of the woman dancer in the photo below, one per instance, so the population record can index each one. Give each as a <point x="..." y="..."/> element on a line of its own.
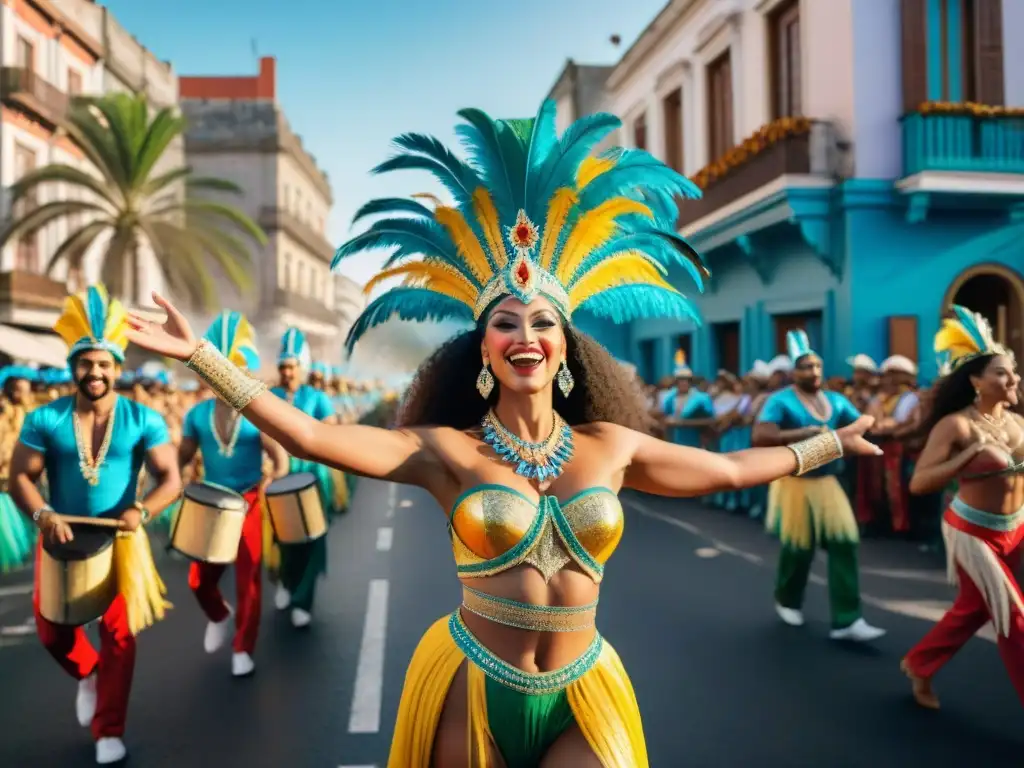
<point x="523" y="427"/>
<point x="974" y="438"/>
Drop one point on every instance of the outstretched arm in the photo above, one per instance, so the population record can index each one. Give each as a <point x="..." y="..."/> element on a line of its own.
<point x="665" y="469"/>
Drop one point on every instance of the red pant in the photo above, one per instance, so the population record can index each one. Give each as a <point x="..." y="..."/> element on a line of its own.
<point x="114" y="664"/>
<point x="970" y="612"/>
<point x="203" y="579"/>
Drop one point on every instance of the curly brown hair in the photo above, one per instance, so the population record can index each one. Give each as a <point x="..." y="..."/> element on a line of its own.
<point x="443" y="392"/>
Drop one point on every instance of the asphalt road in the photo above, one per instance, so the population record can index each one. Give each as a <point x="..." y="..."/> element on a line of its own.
<point x="686" y="602"/>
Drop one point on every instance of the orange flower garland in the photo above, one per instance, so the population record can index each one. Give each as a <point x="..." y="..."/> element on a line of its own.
<point x="764" y="137"/>
<point x="968" y="108"/>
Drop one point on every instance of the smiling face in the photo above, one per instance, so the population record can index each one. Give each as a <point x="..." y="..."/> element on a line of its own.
<point x="289" y="372"/>
<point x="524" y="344"/>
<point x="807" y="374"/>
<point x="95" y="372"/>
<point x="999" y="381"/>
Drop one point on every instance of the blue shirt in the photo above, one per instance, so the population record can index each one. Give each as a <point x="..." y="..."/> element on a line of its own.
<point x="51" y="431"/>
<point x="786" y="409"/>
<point x="240" y="471"/>
<point x="697" y="405"/>
<point x="311" y="401"/>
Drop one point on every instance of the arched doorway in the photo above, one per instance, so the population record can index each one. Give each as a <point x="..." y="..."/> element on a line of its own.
<point x="996" y="292"/>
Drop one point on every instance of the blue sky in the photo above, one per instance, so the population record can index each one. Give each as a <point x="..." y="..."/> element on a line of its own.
<point x="350" y="76"/>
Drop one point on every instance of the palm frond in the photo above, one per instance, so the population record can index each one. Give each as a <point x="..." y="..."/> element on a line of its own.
<point x="77" y="243"/>
<point x="63" y="174"/>
<point x="44" y="214"/>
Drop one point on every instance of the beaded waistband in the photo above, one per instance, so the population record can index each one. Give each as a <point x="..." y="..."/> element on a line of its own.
<point x="531" y="683"/>
<point x="539" y="618"/>
<point x="985" y="519"/>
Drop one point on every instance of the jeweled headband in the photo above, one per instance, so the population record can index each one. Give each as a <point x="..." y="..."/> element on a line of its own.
<point x="533" y="214"/>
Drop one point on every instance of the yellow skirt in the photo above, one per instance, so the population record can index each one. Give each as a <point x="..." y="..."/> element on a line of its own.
<point x="602" y="702"/>
<point x="804" y="511"/>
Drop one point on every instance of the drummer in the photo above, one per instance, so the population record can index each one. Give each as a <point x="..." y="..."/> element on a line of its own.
<point x="232" y="451"/>
<point x="91" y="445"/>
<point x="302" y="564"/>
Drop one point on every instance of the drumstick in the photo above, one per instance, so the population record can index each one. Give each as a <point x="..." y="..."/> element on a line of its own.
<point x="102" y="522"/>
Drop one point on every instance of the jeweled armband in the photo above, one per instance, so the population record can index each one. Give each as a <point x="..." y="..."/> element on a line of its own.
<point x="816" y="452"/>
<point x="229" y="382"/>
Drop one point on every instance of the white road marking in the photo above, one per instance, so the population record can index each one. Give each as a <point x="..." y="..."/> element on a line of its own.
<point x="364" y="716"/>
<point x="389" y="510"/>
<point x="357" y="766"/>
<point x="17" y="589"/>
<point x="918" y="609"/>
<point x="707" y="552"/>
<point x="384" y="538"/>
<point x="405" y="504"/>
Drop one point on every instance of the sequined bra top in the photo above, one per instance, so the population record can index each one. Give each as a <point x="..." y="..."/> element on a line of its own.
<point x="495" y="528"/>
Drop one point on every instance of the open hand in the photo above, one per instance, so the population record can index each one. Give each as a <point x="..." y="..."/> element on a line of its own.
<point x="172" y="339"/>
<point x="56" y="530"/>
<point x="852" y="438"/>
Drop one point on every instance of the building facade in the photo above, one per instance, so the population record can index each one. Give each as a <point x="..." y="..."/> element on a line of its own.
<point x="862" y="168"/>
<point x="238" y="131"/>
<point x="53" y="50"/>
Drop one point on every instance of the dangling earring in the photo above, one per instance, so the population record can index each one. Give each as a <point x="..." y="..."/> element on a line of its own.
<point x="977" y="395"/>
<point x="485" y="382"/>
<point x="565" y="379"/>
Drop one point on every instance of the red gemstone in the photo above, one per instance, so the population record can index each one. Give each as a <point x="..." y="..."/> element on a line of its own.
<point x="523" y="273"/>
<point x="523" y="233"/>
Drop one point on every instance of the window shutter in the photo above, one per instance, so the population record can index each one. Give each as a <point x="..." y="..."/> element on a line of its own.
<point x="988" y="23"/>
<point x="914" y="36"/>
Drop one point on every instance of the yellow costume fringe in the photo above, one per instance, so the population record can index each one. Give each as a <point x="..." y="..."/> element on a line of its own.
<point x="602" y="702"/>
<point x="806" y="510"/>
<point x="138" y="581"/>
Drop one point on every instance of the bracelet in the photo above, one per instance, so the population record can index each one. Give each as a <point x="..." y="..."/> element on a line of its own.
<point x="39" y="512"/>
<point x="229" y="382"/>
<point x="815" y="452"/>
<point x="142" y="511"/>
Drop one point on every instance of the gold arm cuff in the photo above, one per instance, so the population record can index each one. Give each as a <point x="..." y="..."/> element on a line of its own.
<point x="229" y="382"/>
<point x="816" y="452"/>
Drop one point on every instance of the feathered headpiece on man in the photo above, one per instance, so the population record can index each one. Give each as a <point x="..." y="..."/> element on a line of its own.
<point x="533" y="214"/>
<point x="295" y="349"/>
<point x="92" y="320"/>
<point x="234" y="337"/>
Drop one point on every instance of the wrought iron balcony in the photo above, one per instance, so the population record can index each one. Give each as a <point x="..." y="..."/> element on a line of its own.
<point x="28" y="91"/>
<point x="978" y="143"/>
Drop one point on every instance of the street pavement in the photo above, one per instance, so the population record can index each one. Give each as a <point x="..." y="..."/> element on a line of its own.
<point x="687" y="602"/>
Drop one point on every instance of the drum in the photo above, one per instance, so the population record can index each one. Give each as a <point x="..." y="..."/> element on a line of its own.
<point x="296" y="512"/>
<point x="208" y="527"/>
<point x="78" y="580"/>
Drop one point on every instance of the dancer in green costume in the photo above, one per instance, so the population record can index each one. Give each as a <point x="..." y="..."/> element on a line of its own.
<point x="813" y="509"/>
<point x="303" y="564"/>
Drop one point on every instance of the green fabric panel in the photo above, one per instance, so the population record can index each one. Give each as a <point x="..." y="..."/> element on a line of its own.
<point x="525" y="726"/>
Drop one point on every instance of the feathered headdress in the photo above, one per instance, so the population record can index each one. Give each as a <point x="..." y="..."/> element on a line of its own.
<point x="9" y="372"/>
<point x="233" y="335"/>
<point x="295" y="349"/>
<point x="93" y="321"/>
<point x="798" y="345"/>
<point x="681" y="368"/>
<point x="533" y="214"/>
<point x="965" y="337"/>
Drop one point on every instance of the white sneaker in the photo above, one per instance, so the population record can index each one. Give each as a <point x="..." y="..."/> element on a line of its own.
<point x="110" y="750"/>
<point x="301" y="618"/>
<point x="242" y="664"/>
<point x="282" y="598"/>
<point x="860" y="632"/>
<point x="218" y="632"/>
<point x="85" y="701"/>
<point x="791" y="616"/>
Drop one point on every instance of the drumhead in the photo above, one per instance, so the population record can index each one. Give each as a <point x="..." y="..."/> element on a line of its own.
<point x="89" y="540"/>
<point x="298" y="481"/>
<point x="214" y="496"/>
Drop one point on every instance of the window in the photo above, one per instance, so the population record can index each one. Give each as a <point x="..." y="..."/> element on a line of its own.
<point x="27" y="249"/>
<point x="672" y="110"/>
<point x="26" y="54"/>
<point x="784" y="49"/>
<point x="74" y="83"/>
<point x="302" y="287"/>
<point x="286" y="278"/>
<point x="727" y="345"/>
<point x="640" y="132"/>
<point x="720" y="134"/>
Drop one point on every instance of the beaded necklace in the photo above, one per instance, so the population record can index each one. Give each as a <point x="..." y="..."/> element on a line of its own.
<point x="536" y="461"/>
<point x="87" y="464"/>
<point x="227" y="450"/>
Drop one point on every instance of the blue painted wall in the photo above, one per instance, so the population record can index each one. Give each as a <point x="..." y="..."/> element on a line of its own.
<point x="615" y="338"/>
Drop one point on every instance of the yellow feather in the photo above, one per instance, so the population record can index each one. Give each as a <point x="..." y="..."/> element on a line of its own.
<point x="487" y="216"/>
<point x="627" y="268"/>
<point x="428" y="197"/>
<point x="116" y="329"/>
<point x="592" y="230"/>
<point x="73" y="323"/>
<point x="437" y="276"/>
<point x="558" y="211"/>
<point x="591" y="168"/>
<point x="469" y="247"/>
<point x="953" y="338"/>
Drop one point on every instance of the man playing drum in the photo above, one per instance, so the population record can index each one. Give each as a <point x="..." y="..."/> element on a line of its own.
<point x="302" y="564"/>
<point x="92" y="446"/>
<point x="232" y="450"/>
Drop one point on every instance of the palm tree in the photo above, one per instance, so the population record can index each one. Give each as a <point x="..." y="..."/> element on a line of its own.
<point x="126" y="201"/>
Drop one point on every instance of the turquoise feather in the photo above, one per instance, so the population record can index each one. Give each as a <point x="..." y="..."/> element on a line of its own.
<point x="798" y="345"/>
<point x="626" y="303"/>
<point x="661" y="249"/>
<point x="498" y="155"/>
<point x="409" y="304"/>
<point x="392" y="205"/>
<point x="970" y="324"/>
<point x="96" y="308"/>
